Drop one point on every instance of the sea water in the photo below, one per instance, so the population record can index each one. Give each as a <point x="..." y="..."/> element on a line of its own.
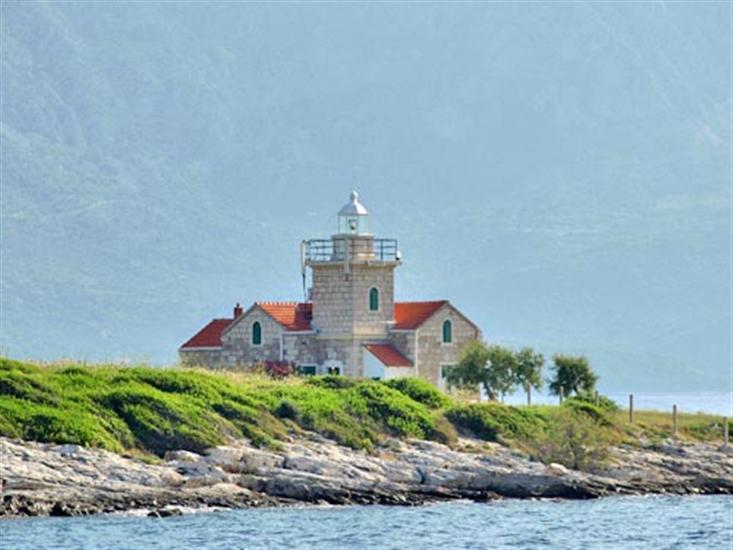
<point x="652" y="522"/>
<point x="710" y="402"/>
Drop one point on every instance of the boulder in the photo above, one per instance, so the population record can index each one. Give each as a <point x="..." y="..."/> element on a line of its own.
<point x="181" y="456"/>
<point x="555" y="469"/>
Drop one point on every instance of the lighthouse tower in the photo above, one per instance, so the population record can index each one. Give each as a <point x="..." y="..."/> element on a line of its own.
<point x="352" y="290"/>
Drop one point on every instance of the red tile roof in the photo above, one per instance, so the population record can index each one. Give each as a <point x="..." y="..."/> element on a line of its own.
<point x="388" y="355"/>
<point x="209" y="336"/>
<point x="291" y="315"/>
<point x="410" y="315"/>
<point x="296" y="316"/>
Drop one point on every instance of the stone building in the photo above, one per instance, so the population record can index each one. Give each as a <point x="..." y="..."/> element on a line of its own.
<point x="350" y="324"/>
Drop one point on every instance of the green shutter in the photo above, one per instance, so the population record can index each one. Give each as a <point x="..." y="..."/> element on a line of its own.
<point x="447" y="332"/>
<point x="374" y="300"/>
<point x="256" y="333"/>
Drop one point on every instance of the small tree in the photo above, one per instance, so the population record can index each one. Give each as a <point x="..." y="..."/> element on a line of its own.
<point x="528" y="372"/>
<point x="471" y="368"/>
<point x="492" y="367"/>
<point x="502" y="371"/>
<point x="572" y="374"/>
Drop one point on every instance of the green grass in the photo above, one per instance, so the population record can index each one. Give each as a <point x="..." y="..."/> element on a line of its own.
<point x="155" y="410"/>
<point x="152" y="410"/>
<point x="656" y="426"/>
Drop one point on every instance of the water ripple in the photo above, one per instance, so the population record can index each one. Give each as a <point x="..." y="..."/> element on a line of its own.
<point x="621" y="522"/>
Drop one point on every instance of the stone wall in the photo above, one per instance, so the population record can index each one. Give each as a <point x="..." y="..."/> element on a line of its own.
<point x="432" y="352"/>
<point x="364" y="277"/>
<point x="346" y="351"/>
<point x="304" y="349"/>
<point x="207" y="358"/>
<point x="341" y="300"/>
<point x="405" y="342"/>
<point x="237" y="347"/>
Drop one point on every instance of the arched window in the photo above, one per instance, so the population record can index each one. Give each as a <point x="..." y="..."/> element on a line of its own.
<point x="256" y="334"/>
<point x="447" y="331"/>
<point x="374" y="300"/>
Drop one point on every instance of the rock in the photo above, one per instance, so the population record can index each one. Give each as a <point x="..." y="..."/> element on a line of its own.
<point x="165" y="512"/>
<point x="72" y="480"/>
<point x="67" y="450"/>
<point x="242" y="459"/>
<point x="181" y="456"/>
<point x="555" y="469"/>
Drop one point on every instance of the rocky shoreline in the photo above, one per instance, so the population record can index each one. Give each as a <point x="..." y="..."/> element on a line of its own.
<point x="69" y="480"/>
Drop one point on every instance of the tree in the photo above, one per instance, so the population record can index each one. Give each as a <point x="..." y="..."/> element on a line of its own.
<point x="572" y="374"/>
<point x="503" y="367"/>
<point x="493" y="367"/>
<point x="528" y="372"/>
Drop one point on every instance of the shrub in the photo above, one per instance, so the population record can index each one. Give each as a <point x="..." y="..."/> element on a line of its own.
<point x="443" y="431"/>
<point x="287" y="409"/>
<point x="162" y="422"/>
<point x="605" y="403"/>
<point x="585" y="407"/>
<point x="572" y="439"/>
<point x="331" y="381"/>
<point x="390" y="409"/>
<point x="419" y="390"/>
<point x="492" y="421"/>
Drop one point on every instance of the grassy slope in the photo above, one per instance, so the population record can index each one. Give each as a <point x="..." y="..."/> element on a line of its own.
<point x="154" y="410"/>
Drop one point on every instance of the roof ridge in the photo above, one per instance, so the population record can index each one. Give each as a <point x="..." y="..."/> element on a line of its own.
<point x="388" y="354"/>
<point x="423" y="301"/>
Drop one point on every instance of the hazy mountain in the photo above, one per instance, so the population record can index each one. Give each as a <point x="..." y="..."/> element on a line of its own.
<point x="560" y="171"/>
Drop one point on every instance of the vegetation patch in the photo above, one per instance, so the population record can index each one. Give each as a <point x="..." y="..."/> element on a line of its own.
<point x="143" y="410"/>
<point x="573" y="439"/>
<point x="497" y="422"/>
<point x="420" y="390"/>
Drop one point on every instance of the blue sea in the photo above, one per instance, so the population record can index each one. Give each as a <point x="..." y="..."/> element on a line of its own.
<point x="710" y="402"/>
<point x="653" y="522"/>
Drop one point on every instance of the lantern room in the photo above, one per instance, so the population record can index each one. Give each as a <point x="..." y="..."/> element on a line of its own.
<point x="353" y="217"/>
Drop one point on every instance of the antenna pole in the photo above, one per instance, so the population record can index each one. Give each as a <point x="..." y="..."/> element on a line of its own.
<point x="302" y="269"/>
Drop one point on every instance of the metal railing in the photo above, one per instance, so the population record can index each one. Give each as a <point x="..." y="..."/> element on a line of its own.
<point x="328" y="250"/>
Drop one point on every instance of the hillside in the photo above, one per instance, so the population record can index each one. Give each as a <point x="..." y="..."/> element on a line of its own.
<point x="567" y="190"/>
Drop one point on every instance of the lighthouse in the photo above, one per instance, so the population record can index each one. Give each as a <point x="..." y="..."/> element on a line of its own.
<point x="352" y="292"/>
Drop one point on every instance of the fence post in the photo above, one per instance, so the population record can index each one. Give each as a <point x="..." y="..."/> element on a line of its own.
<point x="631" y="408"/>
<point x="725" y="431"/>
<point x="598" y="400"/>
<point x="674" y="421"/>
<point x="561" y="394"/>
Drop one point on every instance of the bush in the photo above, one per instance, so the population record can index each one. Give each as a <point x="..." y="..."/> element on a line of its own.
<point x="287" y="409"/>
<point x="443" y="431"/>
<point x="419" y="390"/>
<point x="605" y="403"/>
<point x="581" y="406"/>
<point x="331" y="381"/>
<point x="493" y="421"/>
<point x="572" y="439"/>
<point x="390" y="409"/>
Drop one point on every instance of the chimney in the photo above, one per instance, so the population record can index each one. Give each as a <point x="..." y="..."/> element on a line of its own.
<point x="238" y="311"/>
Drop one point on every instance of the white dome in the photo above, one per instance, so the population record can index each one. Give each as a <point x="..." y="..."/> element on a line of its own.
<point x="353" y="207"/>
